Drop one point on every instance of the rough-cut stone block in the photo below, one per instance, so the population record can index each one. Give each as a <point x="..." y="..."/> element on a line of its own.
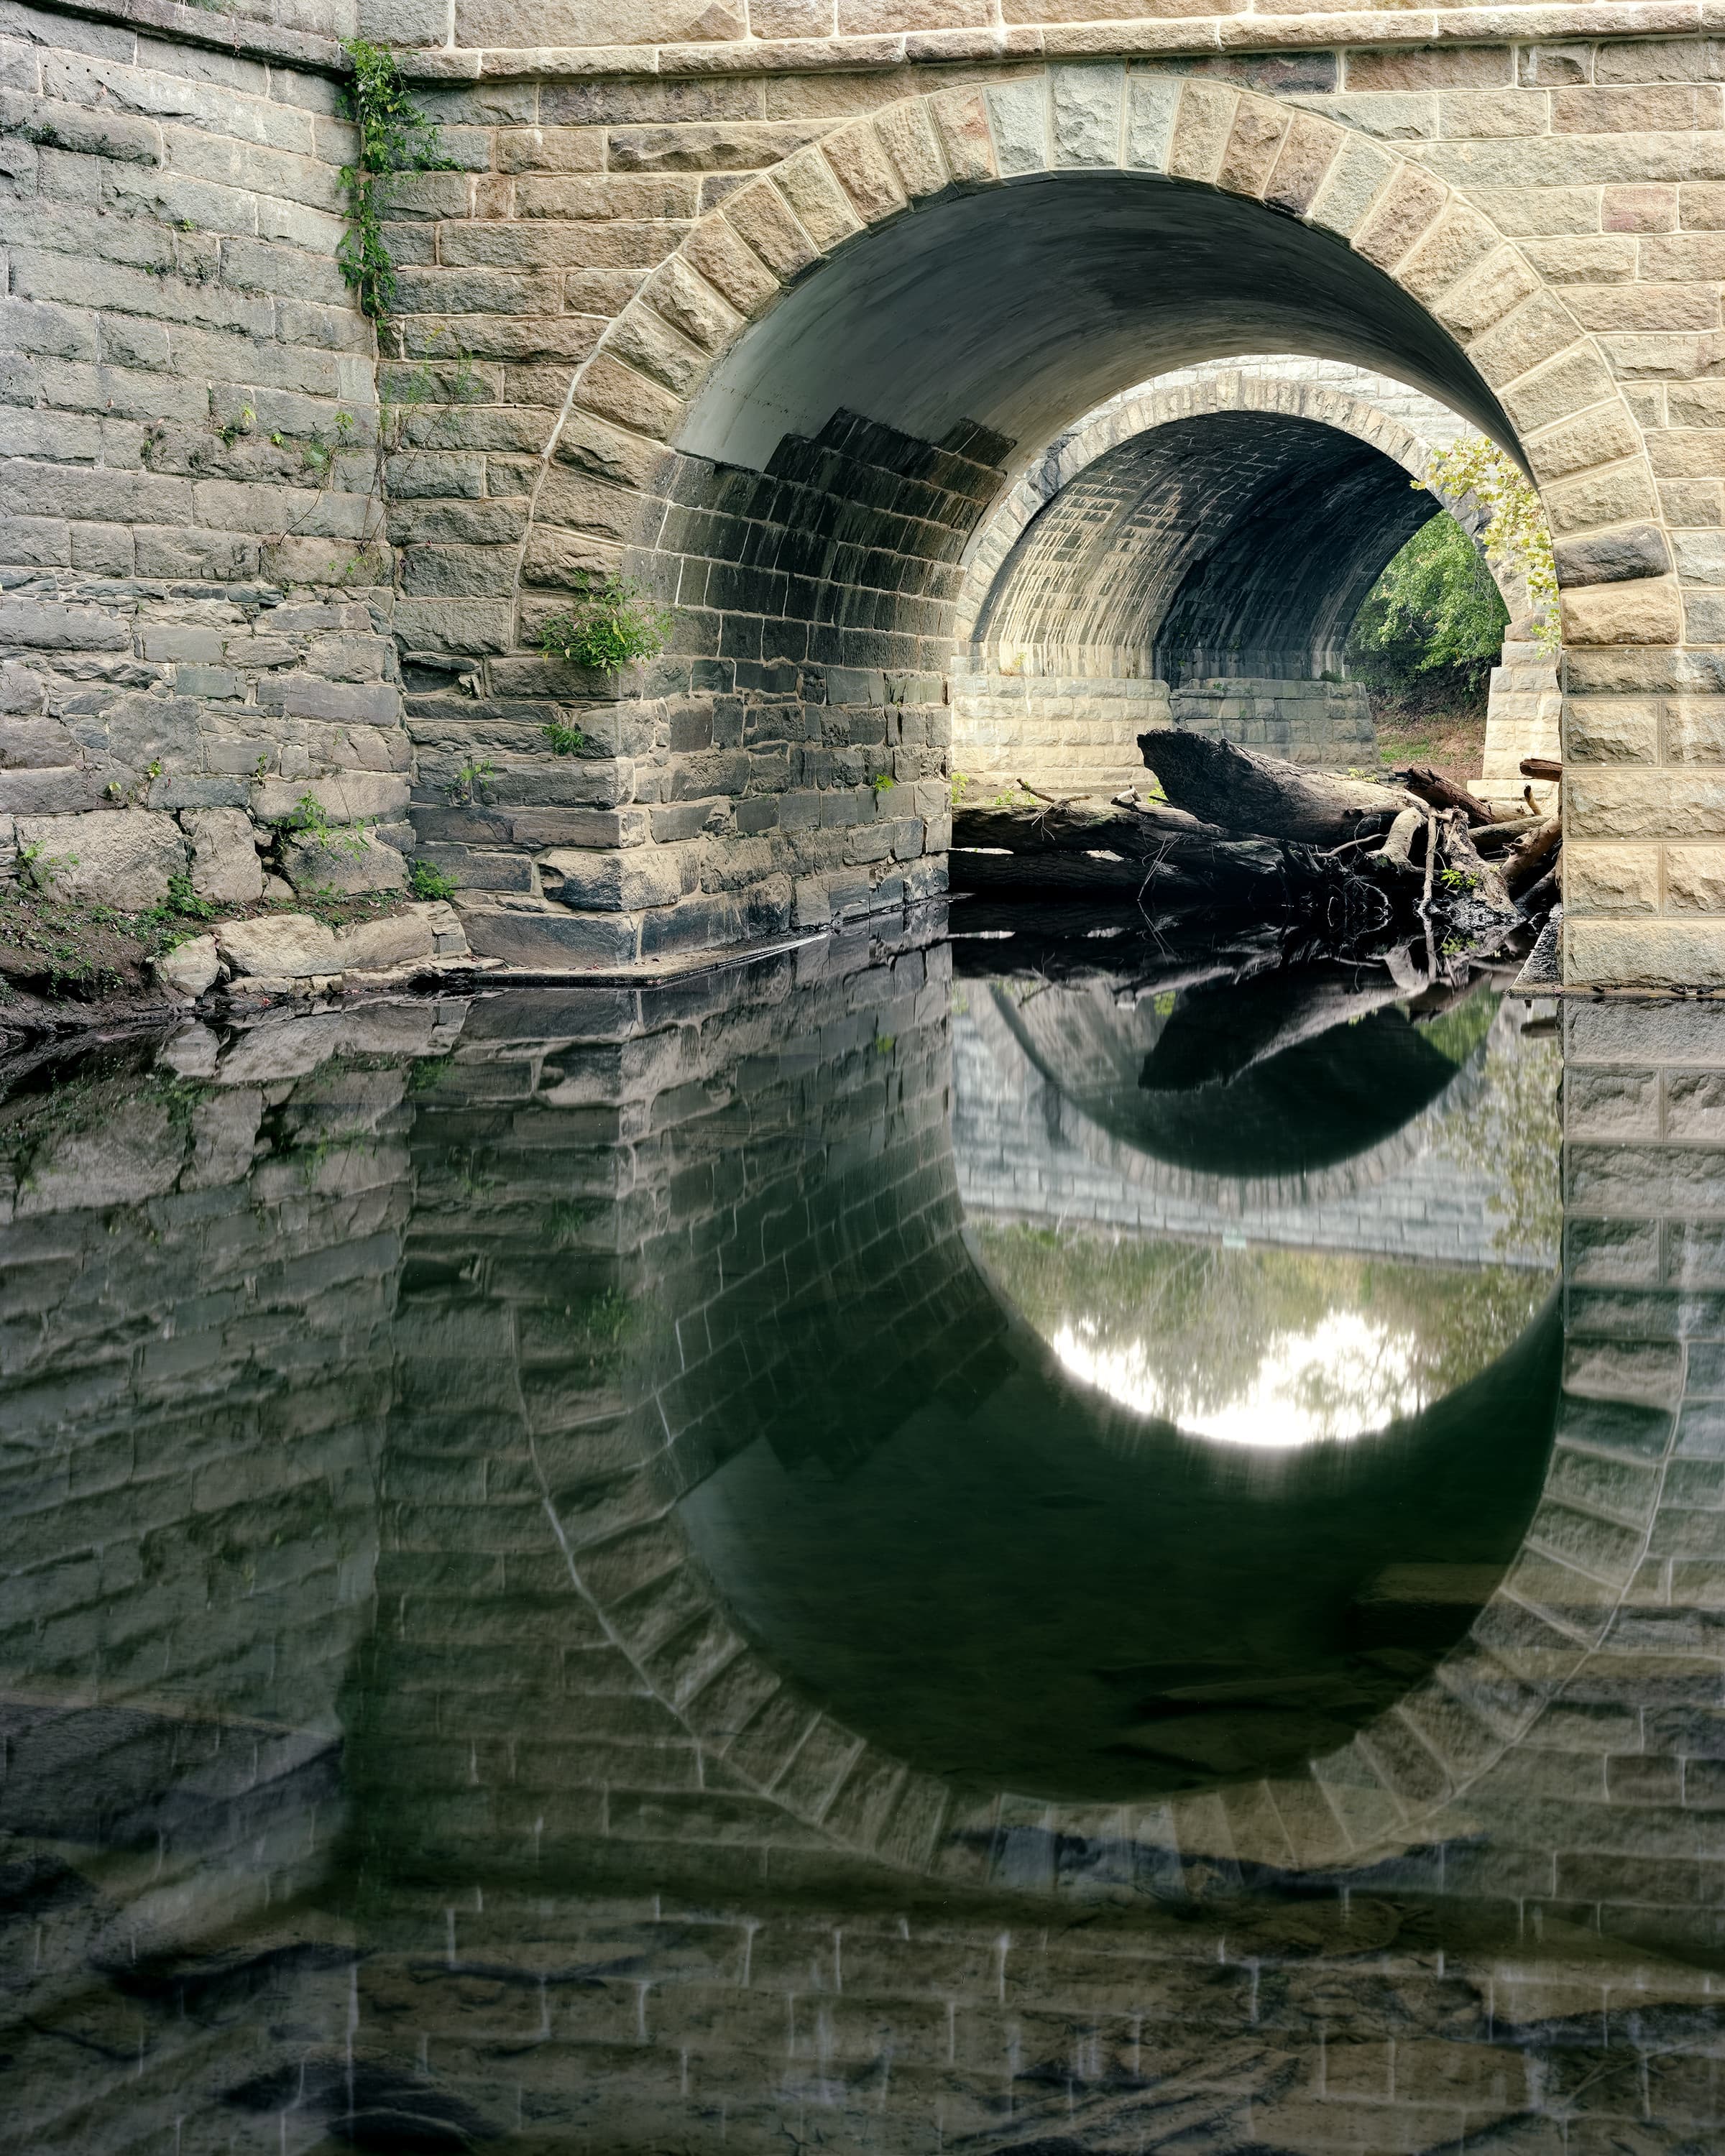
<point x="122" y="858"/>
<point x="1087" y="104"/>
<point x="1646" y="612"/>
<point x="224" y="860"/>
<point x="1202" y="127"/>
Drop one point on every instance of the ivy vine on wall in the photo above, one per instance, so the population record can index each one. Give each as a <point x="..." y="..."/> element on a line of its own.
<point x="394" y="136"/>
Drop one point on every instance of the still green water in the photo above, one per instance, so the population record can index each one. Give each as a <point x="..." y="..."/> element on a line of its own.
<point x="1067" y="1558"/>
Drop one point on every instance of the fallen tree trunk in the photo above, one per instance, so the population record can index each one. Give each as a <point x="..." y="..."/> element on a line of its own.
<point x="1500" y="838"/>
<point x="1441" y="793"/>
<point x="1399" y="865"/>
<point x="1154" y="849"/>
<point x="1068" y="828"/>
<point x="1231" y="786"/>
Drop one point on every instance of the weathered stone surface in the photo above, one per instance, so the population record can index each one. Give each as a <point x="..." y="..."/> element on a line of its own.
<point x="225" y="865"/>
<point x="190" y="968"/>
<point x="294" y="947"/>
<point x="367" y="864"/>
<point x="124" y="858"/>
<point x="290" y="944"/>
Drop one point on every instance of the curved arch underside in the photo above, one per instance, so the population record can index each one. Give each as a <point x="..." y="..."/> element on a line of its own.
<point x="1022" y="306"/>
<point x="1232" y="543"/>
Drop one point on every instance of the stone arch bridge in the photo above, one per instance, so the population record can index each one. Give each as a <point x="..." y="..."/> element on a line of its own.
<point x="1193" y="553"/>
<point x="770" y="309"/>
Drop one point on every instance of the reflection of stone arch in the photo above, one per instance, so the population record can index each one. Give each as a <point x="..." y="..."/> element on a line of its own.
<point x="1228" y="1194"/>
<point x="890" y="1236"/>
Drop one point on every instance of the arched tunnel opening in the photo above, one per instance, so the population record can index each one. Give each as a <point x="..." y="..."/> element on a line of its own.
<point x="839" y="470"/>
<point x="1232" y="543"/>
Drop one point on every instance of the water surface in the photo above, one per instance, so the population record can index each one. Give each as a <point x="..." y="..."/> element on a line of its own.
<point x="1071" y="1555"/>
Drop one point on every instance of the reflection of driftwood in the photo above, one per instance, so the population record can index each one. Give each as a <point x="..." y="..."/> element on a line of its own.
<point x="1221" y="1038"/>
<point x="1541" y="767"/>
<point x="1243" y="792"/>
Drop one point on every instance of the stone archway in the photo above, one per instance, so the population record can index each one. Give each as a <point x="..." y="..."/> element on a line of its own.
<point x="787" y="762"/>
<point x="1105" y="536"/>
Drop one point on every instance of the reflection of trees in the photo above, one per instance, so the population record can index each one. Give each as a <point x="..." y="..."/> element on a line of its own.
<point x="1202" y="1325"/>
<point x="1510" y="1133"/>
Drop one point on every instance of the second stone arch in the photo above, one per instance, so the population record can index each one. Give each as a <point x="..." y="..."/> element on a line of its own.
<point x="1193" y="552"/>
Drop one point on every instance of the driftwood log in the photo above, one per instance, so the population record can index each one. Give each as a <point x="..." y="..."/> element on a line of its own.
<point x="1441" y="793"/>
<point x="1249" y="832"/>
<point x="1067" y="846"/>
<point x="1533" y="857"/>
<point x="1240" y="791"/>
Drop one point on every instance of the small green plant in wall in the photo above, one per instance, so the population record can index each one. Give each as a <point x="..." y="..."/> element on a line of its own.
<point x="429" y="881"/>
<point x="394" y="136"/>
<point x="569" y="740"/>
<point x="310" y="822"/>
<point x="611" y="624"/>
<point x="472" y="782"/>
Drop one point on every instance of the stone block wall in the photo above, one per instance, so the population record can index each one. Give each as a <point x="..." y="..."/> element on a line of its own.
<point x="1327" y="723"/>
<point x="784" y="763"/>
<point x="195" y="604"/>
<point x="190" y="400"/>
<point x="1079" y="734"/>
<point x="1076" y="734"/>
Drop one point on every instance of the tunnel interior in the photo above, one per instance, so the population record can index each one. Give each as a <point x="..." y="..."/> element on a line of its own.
<point x="1019" y="308"/>
<point x="1228" y="544"/>
<point x="833" y="478"/>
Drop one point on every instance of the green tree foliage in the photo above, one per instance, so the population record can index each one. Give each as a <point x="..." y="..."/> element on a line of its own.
<point x="1435" y="608"/>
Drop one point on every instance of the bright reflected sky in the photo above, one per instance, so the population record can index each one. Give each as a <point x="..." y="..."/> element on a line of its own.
<point x="1347" y="1376"/>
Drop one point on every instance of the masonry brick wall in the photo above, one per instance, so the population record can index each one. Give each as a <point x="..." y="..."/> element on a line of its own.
<point x="614" y="213"/>
<point x="194" y="631"/>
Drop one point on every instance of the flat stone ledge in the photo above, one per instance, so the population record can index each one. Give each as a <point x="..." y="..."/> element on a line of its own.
<point x="203" y="26"/>
<point x="1191" y="37"/>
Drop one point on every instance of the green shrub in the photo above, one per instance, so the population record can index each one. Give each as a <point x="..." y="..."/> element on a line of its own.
<point x="612" y="624"/>
<point x="428" y="881"/>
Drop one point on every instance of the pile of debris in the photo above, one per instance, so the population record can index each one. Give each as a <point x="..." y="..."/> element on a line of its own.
<point x="1240" y="832"/>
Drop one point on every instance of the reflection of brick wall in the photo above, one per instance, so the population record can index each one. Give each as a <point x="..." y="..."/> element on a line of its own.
<point x="609" y="1877"/>
<point x="1024" y="1152"/>
<point x="198" y="1280"/>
